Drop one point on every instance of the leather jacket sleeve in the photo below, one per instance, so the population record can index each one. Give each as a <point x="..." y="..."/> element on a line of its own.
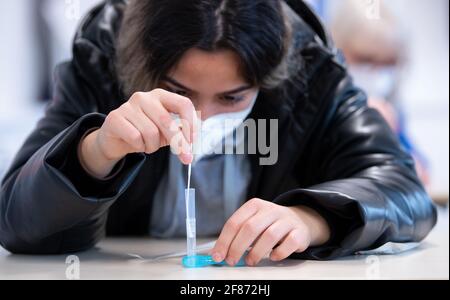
<point x="369" y="191"/>
<point x="48" y="203"/>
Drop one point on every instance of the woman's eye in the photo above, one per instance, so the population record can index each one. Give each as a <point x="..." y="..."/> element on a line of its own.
<point x="179" y="92"/>
<point x="232" y="99"/>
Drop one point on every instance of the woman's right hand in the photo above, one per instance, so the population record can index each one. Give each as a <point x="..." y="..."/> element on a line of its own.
<point x="144" y="124"/>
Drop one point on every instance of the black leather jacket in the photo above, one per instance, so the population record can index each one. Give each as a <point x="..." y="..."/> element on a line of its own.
<point x="336" y="155"/>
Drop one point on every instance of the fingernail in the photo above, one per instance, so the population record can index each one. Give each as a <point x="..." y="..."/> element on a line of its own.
<point x="274" y="258"/>
<point x="188" y="158"/>
<point x="231" y="262"/>
<point x="217" y="257"/>
<point x="250" y="263"/>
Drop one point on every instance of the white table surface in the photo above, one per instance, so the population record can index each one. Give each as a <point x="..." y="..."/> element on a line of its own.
<point x="110" y="260"/>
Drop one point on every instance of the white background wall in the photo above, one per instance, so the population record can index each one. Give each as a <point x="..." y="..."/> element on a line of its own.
<point x="19" y="111"/>
<point x="17" y="81"/>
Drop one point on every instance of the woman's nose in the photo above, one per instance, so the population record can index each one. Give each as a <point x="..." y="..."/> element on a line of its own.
<point x="205" y="111"/>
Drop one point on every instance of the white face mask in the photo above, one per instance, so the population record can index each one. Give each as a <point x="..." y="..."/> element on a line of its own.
<point x="215" y="130"/>
<point x="376" y="82"/>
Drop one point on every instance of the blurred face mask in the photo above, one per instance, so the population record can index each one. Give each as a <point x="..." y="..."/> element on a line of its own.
<point x="375" y="81"/>
<point x="214" y="131"/>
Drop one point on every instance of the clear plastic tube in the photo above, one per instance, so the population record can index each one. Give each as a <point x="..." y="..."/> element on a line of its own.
<point x="191" y="226"/>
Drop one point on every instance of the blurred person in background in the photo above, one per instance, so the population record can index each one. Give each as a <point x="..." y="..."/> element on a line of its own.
<point x="374" y="48"/>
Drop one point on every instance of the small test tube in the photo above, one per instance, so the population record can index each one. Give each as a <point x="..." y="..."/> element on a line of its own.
<point x="192" y="260"/>
<point x="191" y="226"/>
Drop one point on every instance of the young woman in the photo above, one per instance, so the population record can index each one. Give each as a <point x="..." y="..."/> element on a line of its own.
<point x="98" y="162"/>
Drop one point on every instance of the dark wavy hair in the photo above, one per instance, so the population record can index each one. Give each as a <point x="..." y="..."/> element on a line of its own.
<point x="156" y="33"/>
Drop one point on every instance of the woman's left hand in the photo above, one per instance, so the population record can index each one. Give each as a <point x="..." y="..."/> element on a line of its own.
<point x="269" y="229"/>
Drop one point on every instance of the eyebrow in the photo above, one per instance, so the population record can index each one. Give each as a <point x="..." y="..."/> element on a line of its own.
<point x="181" y="86"/>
